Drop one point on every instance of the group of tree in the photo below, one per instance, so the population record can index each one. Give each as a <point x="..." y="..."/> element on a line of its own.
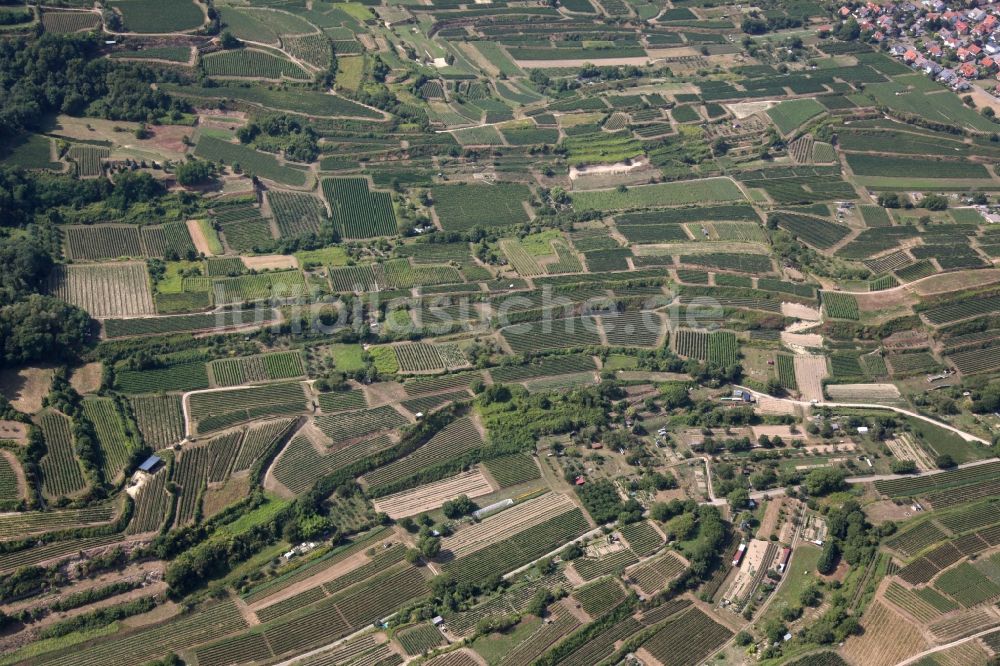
<point x="283" y="133"/>
<point x="65" y="74"/>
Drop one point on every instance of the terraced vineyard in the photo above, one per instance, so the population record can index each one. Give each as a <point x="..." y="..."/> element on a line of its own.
<point x="258" y="439"/>
<point x="840" y="306"/>
<point x="296" y="214"/>
<point x="512" y="470"/>
<point x="687" y="638"/>
<point x="448" y="290"/>
<point x="116" y="445"/>
<point x="351" y="425"/>
<point x="301" y="465"/>
<point x="557" y="334"/>
<point x="9" y="487"/>
<point x="252" y="369"/>
<point x="95" y="243"/>
<point x="455" y="440"/>
<point x="219" y="409"/>
<point x="19" y="524"/>
<point x="249" y="160"/>
<point x="599" y="598"/>
<point x="655" y="574"/>
<point x="521" y="548"/>
<point x="61" y="472"/>
<point x="643" y="539"/>
<point x="105" y="290"/>
<point x="358" y="211"/>
<point x="151" y="504"/>
<point x="252" y="63"/>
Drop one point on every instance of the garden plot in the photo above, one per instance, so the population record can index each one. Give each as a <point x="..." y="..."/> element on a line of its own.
<point x="119" y="290"/>
<point x="506" y="524"/>
<point x="758" y="559"/>
<point x="432" y="495"/>
<point x="904" y="447"/>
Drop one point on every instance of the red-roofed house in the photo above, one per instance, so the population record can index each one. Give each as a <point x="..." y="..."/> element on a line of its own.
<point x="910" y="56"/>
<point x="969" y="70"/>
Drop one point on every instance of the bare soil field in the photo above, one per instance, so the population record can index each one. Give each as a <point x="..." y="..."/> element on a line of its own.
<point x="432" y="495"/>
<point x="14" y="431"/>
<point x="883" y="510"/>
<point x="800" y="311"/>
<point x="745" y="109"/>
<point x="752" y="562"/>
<point x="782" y="431"/>
<point x="26" y="387"/>
<point x="940" y="284"/>
<point x="198" y="238"/>
<point x="322" y="576"/>
<point x="770" y="520"/>
<point x="164" y="142"/>
<point x="863" y="392"/>
<point x="793" y="340"/>
<point x="906" y="340"/>
<point x="218" y="498"/>
<point x="87" y="378"/>
<point x="876" y="301"/>
<point x="594" y="169"/>
<point x="809" y="374"/>
<point x="774" y="407"/>
<point x="266" y="262"/>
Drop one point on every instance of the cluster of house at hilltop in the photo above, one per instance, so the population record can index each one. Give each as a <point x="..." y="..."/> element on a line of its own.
<point x="954" y="46"/>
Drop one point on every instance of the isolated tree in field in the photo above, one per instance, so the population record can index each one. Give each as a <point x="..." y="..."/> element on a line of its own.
<point x="888" y="200"/>
<point x="903" y="466"/>
<point x="944" y="461"/>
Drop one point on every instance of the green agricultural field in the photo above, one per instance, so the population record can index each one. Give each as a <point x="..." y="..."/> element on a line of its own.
<point x="666" y="194"/>
<point x="299" y="101"/>
<point x="790" y="115"/>
<point x="155" y="17"/>
<point x="31" y="151"/>
<point x="461" y="207"/>
<point x="901" y="167"/>
<point x="248" y="160"/>
<point x="251" y="63"/>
